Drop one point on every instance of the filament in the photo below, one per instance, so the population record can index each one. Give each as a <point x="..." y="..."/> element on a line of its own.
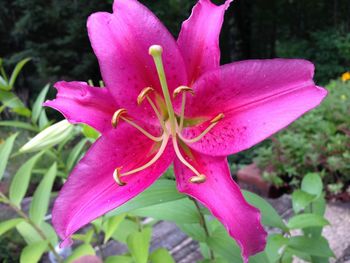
<point x="214" y="122"/>
<point x="147" y="134"/>
<point x="165" y="139"/>
<point x="187" y="164"/>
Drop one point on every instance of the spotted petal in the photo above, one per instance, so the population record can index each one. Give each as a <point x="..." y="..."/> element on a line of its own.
<point x="91" y="190"/>
<point x="221" y="195"/>
<point x="81" y="103"/>
<point x="121" y="43"/>
<point x="199" y="38"/>
<point x="257" y="97"/>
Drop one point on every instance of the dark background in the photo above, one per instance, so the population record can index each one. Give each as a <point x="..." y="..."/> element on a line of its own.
<point x="53" y="33"/>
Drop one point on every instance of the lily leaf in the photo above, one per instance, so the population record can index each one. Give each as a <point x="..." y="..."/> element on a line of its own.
<point x="138" y="244"/>
<point x="33" y="252"/>
<point x="307" y="220"/>
<point x="269" y="215"/>
<point x="5" y="151"/>
<point x="41" y="198"/>
<point x="17" y="70"/>
<point x="20" y="181"/>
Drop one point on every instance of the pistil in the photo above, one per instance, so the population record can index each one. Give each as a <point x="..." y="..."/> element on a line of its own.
<point x="156" y="52"/>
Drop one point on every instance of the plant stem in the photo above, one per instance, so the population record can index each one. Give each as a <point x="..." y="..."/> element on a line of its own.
<point x="30" y="222"/>
<point x="203" y="223"/>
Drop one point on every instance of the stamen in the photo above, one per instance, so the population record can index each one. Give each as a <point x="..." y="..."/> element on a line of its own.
<point x="183" y="90"/>
<point x="161" y="150"/>
<point x="199" y="178"/>
<point x="147" y="134"/>
<point x="156" y="52"/>
<point x="119" y="115"/>
<point x="116" y="176"/>
<point x="144" y="94"/>
<point x="213" y="122"/>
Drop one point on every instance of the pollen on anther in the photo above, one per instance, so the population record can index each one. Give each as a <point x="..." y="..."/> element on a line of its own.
<point x="182" y="89"/>
<point x="116" y="177"/>
<point x="117" y="115"/>
<point x="143" y="94"/>
<point x="198" y="179"/>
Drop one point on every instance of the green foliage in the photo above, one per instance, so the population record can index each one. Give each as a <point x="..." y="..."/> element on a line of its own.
<point x="329" y="49"/>
<point x="316" y="143"/>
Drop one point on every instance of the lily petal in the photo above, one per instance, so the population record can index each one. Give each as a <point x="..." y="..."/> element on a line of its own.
<point x="121" y="43"/>
<point x="199" y="38"/>
<point x="221" y="195"/>
<point x="91" y="190"/>
<point x="81" y="103"/>
<point x="257" y="97"/>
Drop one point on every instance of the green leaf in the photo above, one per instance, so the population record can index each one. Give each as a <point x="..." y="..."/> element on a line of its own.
<point x="75" y="153"/>
<point x="161" y="255"/>
<point x="222" y="244"/>
<point x="275" y="247"/>
<point x="30" y="235"/>
<point x="269" y="215"/>
<point x="82" y="250"/>
<point x="312" y="246"/>
<point x="194" y="231"/>
<point x="5" y="151"/>
<point x="38" y="104"/>
<point x="9" y="224"/>
<point x="18" y="124"/>
<point x="4" y="84"/>
<point x="161" y="191"/>
<point x="111" y="225"/>
<point x="119" y="259"/>
<point x="10" y="100"/>
<point x="259" y="258"/>
<point x="179" y="211"/>
<point x="126" y="228"/>
<point x="138" y="244"/>
<point x="41" y="198"/>
<point x="312" y="184"/>
<point x="301" y="199"/>
<point x="49" y="137"/>
<point x="43" y="120"/>
<point x="307" y="220"/>
<point x="90" y="133"/>
<point x="20" y="181"/>
<point x="33" y="253"/>
<point x="17" y="70"/>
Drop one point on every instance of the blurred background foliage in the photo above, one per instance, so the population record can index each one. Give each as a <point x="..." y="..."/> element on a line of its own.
<point x="54" y="34"/>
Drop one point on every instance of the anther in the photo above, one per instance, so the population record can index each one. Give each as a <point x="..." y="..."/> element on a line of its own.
<point x="117" y="175"/>
<point x="198" y="179"/>
<point x="117" y="115"/>
<point x="217" y="118"/>
<point x="155" y="50"/>
<point x="182" y="89"/>
<point x="143" y="94"/>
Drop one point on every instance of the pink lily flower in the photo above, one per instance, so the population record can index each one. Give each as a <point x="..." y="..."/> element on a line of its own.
<point x="170" y="101"/>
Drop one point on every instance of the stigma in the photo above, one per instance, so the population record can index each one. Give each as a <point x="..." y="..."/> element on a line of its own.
<point x="171" y="123"/>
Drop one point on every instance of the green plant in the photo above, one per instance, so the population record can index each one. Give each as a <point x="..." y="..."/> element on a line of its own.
<point x="318" y="142"/>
